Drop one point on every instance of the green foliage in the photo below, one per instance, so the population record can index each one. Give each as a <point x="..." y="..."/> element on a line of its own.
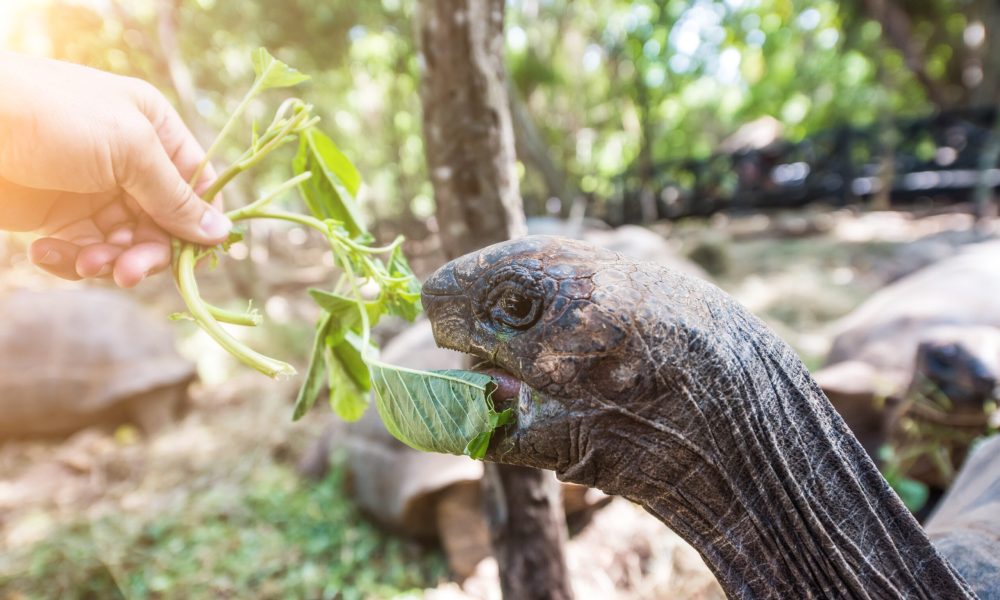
<point x="445" y="413"/>
<point x="272" y="73"/>
<point x="637" y="83"/>
<point x="605" y="80"/>
<point x="330" y="194"/>
<point x="913" y="493"/>
<point x="277" y="538"/>
<point x="342" y="356"/>
<point x="292" y="119"/>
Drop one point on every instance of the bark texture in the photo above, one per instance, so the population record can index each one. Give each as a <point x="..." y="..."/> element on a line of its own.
<point x="524" y="504"/>
<point x="469" y="143"/>
<point x="468" y="137"/>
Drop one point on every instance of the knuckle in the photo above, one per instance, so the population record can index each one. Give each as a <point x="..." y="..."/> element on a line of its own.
<point x="131" y="140"/>
<point x="143" y="93"/>
<point x="180" y="206"/>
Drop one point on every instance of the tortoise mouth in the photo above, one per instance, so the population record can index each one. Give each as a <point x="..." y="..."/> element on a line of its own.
<point x="508" y="387"/>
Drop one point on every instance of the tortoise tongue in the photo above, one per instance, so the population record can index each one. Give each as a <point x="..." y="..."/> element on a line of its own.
<point x="508" y="386"/>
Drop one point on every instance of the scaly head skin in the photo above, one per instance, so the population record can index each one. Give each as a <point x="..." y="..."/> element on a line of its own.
<point x="573" y="322"/>
<point x="659" y="387"/>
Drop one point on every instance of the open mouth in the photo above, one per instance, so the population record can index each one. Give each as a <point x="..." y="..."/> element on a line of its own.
<point x="508" y="387"/>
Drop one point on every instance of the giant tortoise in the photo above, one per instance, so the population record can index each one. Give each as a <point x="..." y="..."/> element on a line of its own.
<point x="659" y="387"/>
<point x="70" y="359"/>
<point x="918" y="363"/>
<point x="435" y="495"/>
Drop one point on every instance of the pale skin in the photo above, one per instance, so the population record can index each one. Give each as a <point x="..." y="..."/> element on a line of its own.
<point x="98" y="166"/>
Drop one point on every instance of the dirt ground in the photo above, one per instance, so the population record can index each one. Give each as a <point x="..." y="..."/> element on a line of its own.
<point x="213" y="507"/>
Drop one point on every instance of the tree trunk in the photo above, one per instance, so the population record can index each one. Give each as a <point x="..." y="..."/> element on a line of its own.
<point x="468" y="136"/>
<point x="469" y="143"/>
<point x="527" y="529"/>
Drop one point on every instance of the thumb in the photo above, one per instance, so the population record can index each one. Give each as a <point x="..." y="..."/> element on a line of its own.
<point x="152" y="180"/>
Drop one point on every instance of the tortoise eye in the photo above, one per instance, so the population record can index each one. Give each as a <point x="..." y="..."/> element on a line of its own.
<point x="513" y="308"/>
<point x="511" y="298"/>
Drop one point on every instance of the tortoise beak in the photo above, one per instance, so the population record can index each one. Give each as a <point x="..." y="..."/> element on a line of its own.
<point x="449" y="311"/>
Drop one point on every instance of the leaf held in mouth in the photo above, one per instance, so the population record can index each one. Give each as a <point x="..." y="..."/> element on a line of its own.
<point x="438" y="411"/>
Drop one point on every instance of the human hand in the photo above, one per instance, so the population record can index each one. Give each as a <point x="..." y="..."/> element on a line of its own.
<point x="98" y="164"/>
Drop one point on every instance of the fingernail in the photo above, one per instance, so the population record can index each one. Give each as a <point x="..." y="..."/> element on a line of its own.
<point x="50" y="258"/>
<point x="215" y="224"/>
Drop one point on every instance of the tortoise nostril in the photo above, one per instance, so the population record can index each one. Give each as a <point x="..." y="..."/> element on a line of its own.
<point x="441" y="283"/>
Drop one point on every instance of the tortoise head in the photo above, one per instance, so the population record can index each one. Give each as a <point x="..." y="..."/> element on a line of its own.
<point x="962" y="363"/>
<point x="588" y="332"/>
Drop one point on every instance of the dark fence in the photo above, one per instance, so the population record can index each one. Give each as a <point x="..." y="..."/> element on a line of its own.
<point x="930" y="158"/>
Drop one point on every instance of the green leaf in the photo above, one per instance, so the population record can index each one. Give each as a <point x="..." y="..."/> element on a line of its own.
<point x="334" y="161"/>
<point x="402" y="292"/>
<point x="439" y="411"/>
<point x="236" y="235"/>
<point x="480" y="444"/>
<point x="330" y="192"/>
<point x="344" y="309"/>
<point x="272" y="73"/>
<point x="339" y="306"/>
<point x="913" y="493"/>
<point x="477" y="447"/>
<point x="399" y="267"/>
<point x="348" y="352"/>
<point x="346" y="399"/>
<point x="312" y="385"/>
<point x="336" y="359"/>
<point x="403" y="304"/>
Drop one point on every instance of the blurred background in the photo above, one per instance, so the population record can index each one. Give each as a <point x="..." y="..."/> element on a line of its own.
<point x="818" y="160"/>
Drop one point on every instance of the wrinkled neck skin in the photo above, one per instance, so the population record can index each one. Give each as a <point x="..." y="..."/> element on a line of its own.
<point x="728" y="441"/>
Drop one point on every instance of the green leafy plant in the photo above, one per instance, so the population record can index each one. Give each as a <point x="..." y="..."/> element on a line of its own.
<point x="265" y="534"/>
<point x="449" y="411"/>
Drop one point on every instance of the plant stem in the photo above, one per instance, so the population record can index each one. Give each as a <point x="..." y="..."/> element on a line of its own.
<point x="345" y="265"/>
<point x="220" y="182"/>
<point x="339" y="258"/>
<point x="188" y="288"/>
<point x="368" y="250"/>
<point x="233" y="118"/>
<point x="251" y="157"/>
<point x="283" y="135"/>
<point x="250" y="318"/>
<point x="237" y="214"/>
<point x="311" y="222"/>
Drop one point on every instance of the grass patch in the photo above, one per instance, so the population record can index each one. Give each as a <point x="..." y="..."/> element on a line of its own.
<point x="272" y="537"/>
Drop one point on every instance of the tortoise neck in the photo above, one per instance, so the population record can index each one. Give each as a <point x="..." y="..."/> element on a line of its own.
<point x="776" y="494"/>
